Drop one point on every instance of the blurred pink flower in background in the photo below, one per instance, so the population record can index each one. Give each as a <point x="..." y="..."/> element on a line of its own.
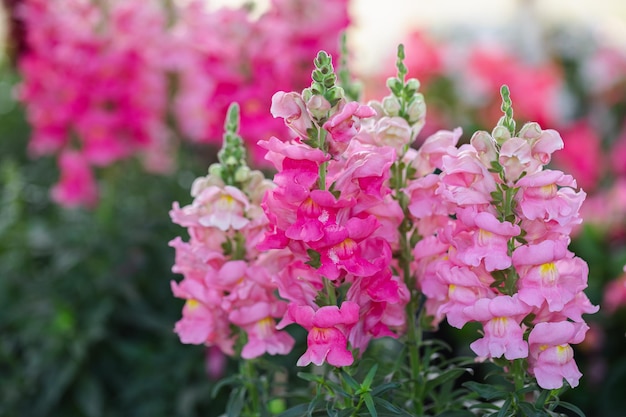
<point x="122" y="78"/>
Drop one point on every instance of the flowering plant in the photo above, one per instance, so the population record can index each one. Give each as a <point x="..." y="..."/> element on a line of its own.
<point x="362" y="245"/>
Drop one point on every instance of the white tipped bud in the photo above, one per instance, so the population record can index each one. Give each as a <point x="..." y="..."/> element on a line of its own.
<point x="391" y="106"/>
<point x="417" y="109"/>
<point x="242" y="174"/>
<point x="501" y="134"/>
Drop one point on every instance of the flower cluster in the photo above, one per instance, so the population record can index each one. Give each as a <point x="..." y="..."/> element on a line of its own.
<point x="333" y="213"/>
<point x="503" y="258"/>
<point x="98" y="77"/>
<point x="226" y="283"/>
<point x="360" y="231"/>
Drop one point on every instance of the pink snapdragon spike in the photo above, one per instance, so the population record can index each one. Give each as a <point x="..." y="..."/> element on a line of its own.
<point x="503" y="259"/>
<point x="333" y="211"/>
<point x="227" y="282"/>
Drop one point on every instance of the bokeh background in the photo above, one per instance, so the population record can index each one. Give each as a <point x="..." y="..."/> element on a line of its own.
<point x="86" y="311"/>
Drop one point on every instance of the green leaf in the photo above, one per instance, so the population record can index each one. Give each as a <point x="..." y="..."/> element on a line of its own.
<point x="529" y="410"/>
<point x="233" y="380"/>
<point x="571" y="407"/>
<point x="350" y="380"/>
<point x="309" y="377"/>
<point x="505" y="408"/>
<point x="367" y="382"/>
<point x="369" y="403"/>
<point x="456" y="413"/>
<point x="315" y="258"/>
<point x="236" y="402"/>
<point x="390" y="407"/>
<point x="384" y="388"/>
<point x="543" y="397"/>
<point x="444" y="377"/>
<point x="297" y="411"/>
<point x="486" y="391"/>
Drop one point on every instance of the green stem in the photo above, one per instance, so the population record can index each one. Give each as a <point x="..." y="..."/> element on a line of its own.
<point x="321" y="140"/>
<point x="330" y="291"/>
<point x="250" y="377"/>
<point x="413" y="307"/>
<point x="414" y="335"/>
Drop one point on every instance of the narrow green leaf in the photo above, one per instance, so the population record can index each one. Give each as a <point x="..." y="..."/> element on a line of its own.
<point x="384" y="388"/>
<point x="230" y="381"/>
<point x="390" y="407"/>
<point x="456" y="413"/>
<point x="571" y="407"/>
<point x="444" y="377"/>
<point x="236" y="402"/>
<point x="369" y="378"/>
<point x="486" y="391"/>
<point x="529" y="410"/>
<point x="505" y="408"/>
<point x="543" y="397"/>
<point x="297" y="411"/>
<point x="308" y="377"/>
<point x="369" y="403"/>
<point x="350" y="380"/>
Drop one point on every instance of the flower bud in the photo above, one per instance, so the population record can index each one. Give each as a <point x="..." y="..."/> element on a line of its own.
<point x="413" y="84"/>
<point x="242" y="174"/>
<point x="391" y="106"/>
<point x="501" y="134"/>
<point x="318" y="107"/>
<point x="417" y="109"/>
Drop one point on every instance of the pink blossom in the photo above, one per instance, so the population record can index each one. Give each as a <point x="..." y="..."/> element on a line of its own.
<point x="365" y="170"/>
<point x="430" y="154"/>
<point x="201" y="322"/>
<point x="340" y="249"/>
<point x="456" y="287"/>
<point x="549" y="195"/>
<point x="257" y="319"/>
<point x="291" y="107"/>
<point x="485" y="146"/>
<point x="543" y="142"/>
<point x="77" y="185"/>
<point x="548" y="272"/>
<point x="551" y="356"/>
<point x="223" y="208"/>
<point x="515" y="158"/>
<point x="393" y="132"/>
<point x="485" y="240"/>
<point x="346" y="123"/>
<point x="501" y="317"/>
<point x="327" y="327"/>
<point x="319" y="210"/>
<point x="466" y="181"/>
<point x="382" y="299"/>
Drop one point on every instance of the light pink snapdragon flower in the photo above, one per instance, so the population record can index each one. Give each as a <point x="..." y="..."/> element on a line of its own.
<point x="501" y="317"/>
<point x="328" y="328"/>
<point x="551" y="356"/>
